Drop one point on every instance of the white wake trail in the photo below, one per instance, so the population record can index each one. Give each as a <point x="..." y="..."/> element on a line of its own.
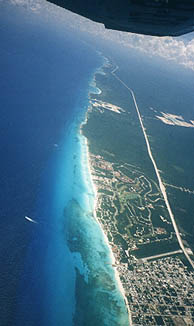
<point x="30" y="219"/>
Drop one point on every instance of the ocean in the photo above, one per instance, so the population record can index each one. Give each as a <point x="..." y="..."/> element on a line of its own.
<point x="55" y="262"/>
<point x="56" y="266"/>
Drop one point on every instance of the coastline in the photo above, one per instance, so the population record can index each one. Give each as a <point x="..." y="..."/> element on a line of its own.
<point x="90" y="203"/>
<point x="128" y="206"/>
<point x="95" y="204"/>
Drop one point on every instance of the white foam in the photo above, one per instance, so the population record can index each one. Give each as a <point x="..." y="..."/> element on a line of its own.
<point x="30" y="219"/>
<point x="99" y="238"/>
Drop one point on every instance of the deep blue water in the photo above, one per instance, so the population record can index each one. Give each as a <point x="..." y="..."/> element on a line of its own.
<point x="53" y="269"/>
<point x="57" y="264"/>
<point x="44" y="83"/>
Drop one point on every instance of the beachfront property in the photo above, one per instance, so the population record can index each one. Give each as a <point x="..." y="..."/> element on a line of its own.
<point x="159" y="286"/>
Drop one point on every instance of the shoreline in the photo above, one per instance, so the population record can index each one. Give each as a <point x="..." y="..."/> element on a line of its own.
<point x="113" y="260"/>
<point x="125" y="195"/>
<point x="95" y="203"/>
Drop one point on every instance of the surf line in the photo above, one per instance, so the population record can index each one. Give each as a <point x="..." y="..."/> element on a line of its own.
<point x="113" y="262"/>
<point x="161" y="185"/>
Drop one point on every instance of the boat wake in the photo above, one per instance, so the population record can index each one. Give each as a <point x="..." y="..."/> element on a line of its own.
<point x="30" y="219"/>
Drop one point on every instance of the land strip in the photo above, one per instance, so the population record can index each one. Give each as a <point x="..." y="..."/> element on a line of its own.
<point x="161" y="185"/>
<point x="162" y="255"/>
<point x="133" y="214"/>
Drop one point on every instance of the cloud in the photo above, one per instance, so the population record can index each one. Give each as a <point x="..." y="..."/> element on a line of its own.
<point x="177" y="49"/>
<point x="169" y="48"/>
<point x="33" y="5"/>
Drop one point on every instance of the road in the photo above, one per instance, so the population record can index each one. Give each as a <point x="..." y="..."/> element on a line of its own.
<point x="161" y="185"/>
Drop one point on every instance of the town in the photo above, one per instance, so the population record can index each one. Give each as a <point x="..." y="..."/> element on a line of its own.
<point x="158" y="285"/>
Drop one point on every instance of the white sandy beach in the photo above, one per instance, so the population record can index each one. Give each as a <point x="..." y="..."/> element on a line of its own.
<point x="95" y="203"/>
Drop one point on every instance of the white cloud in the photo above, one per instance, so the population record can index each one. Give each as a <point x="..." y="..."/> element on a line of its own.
<point x="166" y="47"/>
<point x="33" y="5"/>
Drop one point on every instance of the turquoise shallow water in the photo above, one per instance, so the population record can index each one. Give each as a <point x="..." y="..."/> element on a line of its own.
<point x="85" y="277"/>
<point x="72" y="268"/>
<point x="96" y="286"/>
<point x="52" y="268"/>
